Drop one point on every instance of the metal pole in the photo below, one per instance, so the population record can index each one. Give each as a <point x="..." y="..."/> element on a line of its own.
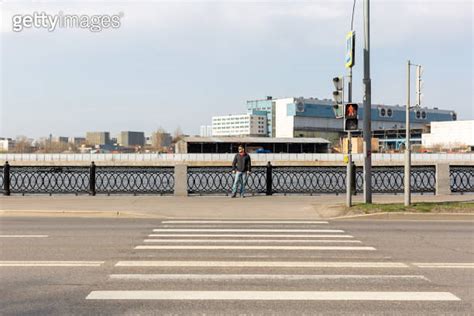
<point x="6" y="178"/>
<point x="407" y="143"/>
<point x="367" y="108"/>
<point x="349" y="147"/>
<point x="269" y="182"/>
<point x="92" y="178"/>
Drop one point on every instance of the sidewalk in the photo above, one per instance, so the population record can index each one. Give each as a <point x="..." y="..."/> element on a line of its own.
<point x="209" y="207"/>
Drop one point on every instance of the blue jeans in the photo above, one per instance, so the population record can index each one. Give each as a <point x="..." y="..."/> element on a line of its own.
<point x="240" y="178"/>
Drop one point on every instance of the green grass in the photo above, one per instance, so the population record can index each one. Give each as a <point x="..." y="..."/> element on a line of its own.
<point x="423" y="207"/>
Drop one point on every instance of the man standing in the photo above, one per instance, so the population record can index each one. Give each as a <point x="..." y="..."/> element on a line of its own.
<point x="241" y="168"/>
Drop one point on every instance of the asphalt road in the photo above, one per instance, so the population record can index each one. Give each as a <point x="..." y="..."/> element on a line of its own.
<point x="92" y="266"/>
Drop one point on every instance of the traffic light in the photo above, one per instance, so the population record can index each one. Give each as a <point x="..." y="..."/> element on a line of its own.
<point x="338" y="96"/>
<point x="351" y="117"/>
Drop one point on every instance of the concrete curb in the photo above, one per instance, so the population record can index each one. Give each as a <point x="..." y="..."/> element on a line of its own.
<point x="404" y="214"/>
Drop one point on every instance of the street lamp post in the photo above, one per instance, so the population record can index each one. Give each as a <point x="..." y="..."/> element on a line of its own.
<point x="367" y="108"/>
<point x="407" y="144"/>
<point x="407" y="174"/>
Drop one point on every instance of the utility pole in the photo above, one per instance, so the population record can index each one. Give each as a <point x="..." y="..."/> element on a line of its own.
<point x="407" y="143"/>
<point x="407" y="173"/>
<point x="350" y="60"/>
<point x="367" y="108"/>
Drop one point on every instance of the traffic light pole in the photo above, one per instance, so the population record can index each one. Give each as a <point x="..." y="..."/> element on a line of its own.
<point x="349" y="147"/>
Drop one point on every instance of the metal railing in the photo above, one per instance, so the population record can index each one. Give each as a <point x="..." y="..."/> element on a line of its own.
<point x="135" y="180"/>
<point x="91" y="180"/>
<point x="391" y="179"/>
<point x="461" y="178"/>
<point x="218" y="180"/>
<point x="308" y="180"/>
<point x="212" y="180"/>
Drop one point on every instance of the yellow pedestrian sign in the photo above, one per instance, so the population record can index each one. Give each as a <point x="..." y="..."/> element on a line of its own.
<point x="350" y="49"/>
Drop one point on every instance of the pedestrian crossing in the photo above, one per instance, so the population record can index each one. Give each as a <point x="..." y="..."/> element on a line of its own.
<point x="238" y="260"/>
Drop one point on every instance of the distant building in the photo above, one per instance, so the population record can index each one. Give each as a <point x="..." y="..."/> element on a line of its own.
<point x="450" y="135"/>
<point x="159" y="139"/>
<point x="166" y="140"/>
<point x="239" y="125"/>
<point x="78" y="141"/>
<point x="60" y="139"/>
<point x="312" y="117"/>
<point x="148" y="140"/>
<point x="252" y="144"/>
<point x="131" y="139"/>
<point x="205" y="131"/>
<point x="7" y="144"/>
<point x="98" y="138"/>
<point x="264" y="107"/>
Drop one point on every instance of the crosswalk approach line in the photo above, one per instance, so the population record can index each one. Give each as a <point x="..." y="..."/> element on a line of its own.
<point x="273" y="295"/>
<point x="268" y="277"/>
<point x="243" y="241"/>
<point x="260" y="264"/>
<point x="213" y="247"/>
<point x="242" y="222"/>
<point x="51" y="263"/>
<point x="252" y="235"/>
<point x="263" y="230"/>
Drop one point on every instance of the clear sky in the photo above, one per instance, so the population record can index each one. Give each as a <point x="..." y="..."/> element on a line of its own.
<point x="176" y="63"/>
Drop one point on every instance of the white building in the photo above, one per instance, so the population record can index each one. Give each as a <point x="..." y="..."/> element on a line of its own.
<point x="239" y="125"/>
<point x="6" y="144"/>
<point x="450" y="135"/>
<point x="205" y="131"/>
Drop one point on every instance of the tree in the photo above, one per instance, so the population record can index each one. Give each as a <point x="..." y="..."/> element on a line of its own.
<point x="22" y="145"/>
<point x="45" y="145"/>
<point x="177" y="135"/>
<point x="158" y="139"/>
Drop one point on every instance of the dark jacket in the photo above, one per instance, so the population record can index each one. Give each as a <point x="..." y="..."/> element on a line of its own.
<point x="242" y="163"/>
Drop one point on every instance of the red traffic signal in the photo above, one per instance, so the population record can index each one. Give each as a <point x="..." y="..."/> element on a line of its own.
<point x="350" y="117"/>
<point x="350" y="110"/>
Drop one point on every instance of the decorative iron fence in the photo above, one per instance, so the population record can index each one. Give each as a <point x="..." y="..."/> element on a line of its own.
<point x="92" y="180"/>
<point x="391" y="179"/>
<point x="218" y="180"/>
<point x="135" y="180"/>
<point x="310" y="180"/>
<point x="49" y="179"/>
<point x="213" y="180"/>
<point x="461" y="178"/>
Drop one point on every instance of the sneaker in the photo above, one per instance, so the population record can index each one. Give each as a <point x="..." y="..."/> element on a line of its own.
<point x="233" y="195"/>
<point x="242" y="196"/>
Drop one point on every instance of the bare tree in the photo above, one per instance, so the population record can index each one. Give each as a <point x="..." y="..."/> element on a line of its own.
<point x="177" y="135"/>
<point x="22" y="145"/>
<point x="158" y="139"/>
<point x="45" y="145"/>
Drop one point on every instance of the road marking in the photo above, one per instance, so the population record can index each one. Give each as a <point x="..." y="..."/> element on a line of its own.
<point x="23" y="236"/>
<point x="243" y="222"/>
<point x="249" y="226"/>
<point x="251" y="235"/>
<point x="192" y="247"/>
<point x="248" y="230"/>
<point x="448" y="265"/>
<point x="250" y="241"/>
<point x="51" y="263"/>
<point x="237" y="277"/>
<point x="272" y="295"/>
<point x="261" y="264"/>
